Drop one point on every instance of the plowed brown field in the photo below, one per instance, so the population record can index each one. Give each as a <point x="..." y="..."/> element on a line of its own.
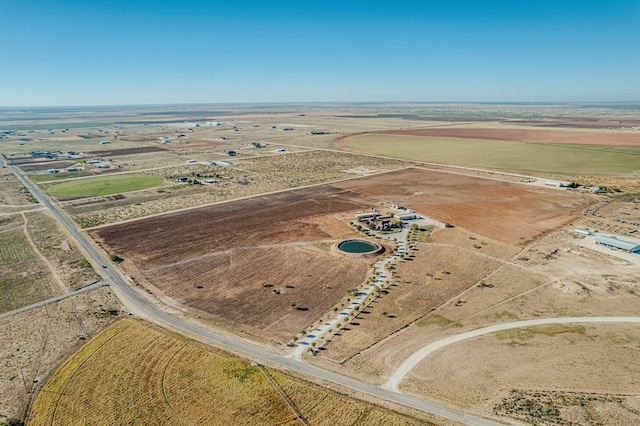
<point x="530" y="135"/>
<point x="225" y="261"/>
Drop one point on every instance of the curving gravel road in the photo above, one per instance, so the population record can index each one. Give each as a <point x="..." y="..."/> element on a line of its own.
<point x="408" y="365"/>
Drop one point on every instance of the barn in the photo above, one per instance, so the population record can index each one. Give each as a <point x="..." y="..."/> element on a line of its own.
<point x="618" y="244"/>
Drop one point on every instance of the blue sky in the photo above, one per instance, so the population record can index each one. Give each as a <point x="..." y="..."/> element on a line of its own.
<point x="80" y="52"/>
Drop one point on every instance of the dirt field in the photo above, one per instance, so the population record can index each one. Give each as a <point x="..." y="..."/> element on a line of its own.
<point x="219" y="261"/>
<point x="422" y="281"/>
<point x="161" y="379"/>
<point x="247" y="177"/>
<point x="502" y="211"/>
<point x="549" y="360"/>
<point x="228" y="261"/>
<point x="548" y="365"/>
<point x="34" y="343"/>
<point x="607" y="138"/>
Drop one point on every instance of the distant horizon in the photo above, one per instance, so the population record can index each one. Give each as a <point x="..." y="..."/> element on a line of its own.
<point x="118" y="52"/>
<point x="328" y="103"/>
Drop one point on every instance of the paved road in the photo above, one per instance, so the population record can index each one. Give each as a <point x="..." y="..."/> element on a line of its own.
<point x="55" y="299"/>
<point x="138" y="306"/>
<point x="420" y="354"/>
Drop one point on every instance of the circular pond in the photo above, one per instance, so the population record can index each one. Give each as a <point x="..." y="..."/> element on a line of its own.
<point x="359" y="248"/>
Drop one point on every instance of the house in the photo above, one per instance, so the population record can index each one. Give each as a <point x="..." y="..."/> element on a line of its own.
<point x="105" y="142"/>
<point x="231" y="153"/>
<point x="53" y="171"/>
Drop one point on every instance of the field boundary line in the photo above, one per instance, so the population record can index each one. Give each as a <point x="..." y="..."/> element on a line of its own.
<point x="283" y="395"/>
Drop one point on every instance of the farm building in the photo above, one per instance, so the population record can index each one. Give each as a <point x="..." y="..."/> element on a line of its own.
<point x="582" y="231"/>
<point x="555" y="183"/>
<point x="361" y="216"/>
<point x="105" y="142"/>
<point x="618" y="244"/>
<point x="406" y="216"/>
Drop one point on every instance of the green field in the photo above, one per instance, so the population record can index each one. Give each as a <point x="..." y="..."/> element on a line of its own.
<point x="104" y="185"/>
<point x="519" y="157"/>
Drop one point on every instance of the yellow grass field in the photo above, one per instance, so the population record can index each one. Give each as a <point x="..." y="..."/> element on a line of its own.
<point x="133" y="374"/>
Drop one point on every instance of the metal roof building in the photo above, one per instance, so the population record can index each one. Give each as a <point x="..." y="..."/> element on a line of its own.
<point x="619" y="244"/>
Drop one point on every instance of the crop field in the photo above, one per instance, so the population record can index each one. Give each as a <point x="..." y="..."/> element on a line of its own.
<point x="22" y="279"/>
<point x="556" y="136"/>
<point x="249" y="176"/>
<point x="104" y="185"/>
<point x="243" y="264"/>
<point x="504" y="155"/>
<point x="34" y="343"/>
<point x="163" y="380"/>
<point x="498" y="210"/>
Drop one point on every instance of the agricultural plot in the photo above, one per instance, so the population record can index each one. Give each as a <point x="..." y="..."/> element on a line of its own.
<point x="247" y="177"/>
<point x="22" y="279"/>
<point x="503" y="211"/>
<point x="554" y="136"/>
<point x="503" y="155"/>
<point x="222" y="261"/>
<point x="34" y="343"/>
<point x="104" y="185"/>
<point x="163" y="380"/>
<point x="260" y="265"/>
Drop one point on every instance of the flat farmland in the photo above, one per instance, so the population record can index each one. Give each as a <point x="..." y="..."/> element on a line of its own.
<point x="568" y="158"/>
<point x="584" y="137"/>
<point x="160" y="379"/>
<point x="23" y="279"/>
<point x="508" y="212"/>
<point x="243" y="264"/>
<point x="103" y="185"/>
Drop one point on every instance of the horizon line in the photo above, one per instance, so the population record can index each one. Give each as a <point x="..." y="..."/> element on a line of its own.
<point x="240" y="103"/>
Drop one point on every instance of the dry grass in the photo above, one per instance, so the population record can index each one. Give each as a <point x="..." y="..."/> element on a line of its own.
<point x="34" y="343"/>
<point x="162" y="380"/>
<point x="249" y="176"/>
<point x="61" y="252"/>
<point x="423" y="280"/>
<point x="23" y="280"/>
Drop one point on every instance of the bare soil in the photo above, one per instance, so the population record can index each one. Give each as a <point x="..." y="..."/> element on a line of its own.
<point x="244" y="264"/>
<point x="219" y="261"/>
